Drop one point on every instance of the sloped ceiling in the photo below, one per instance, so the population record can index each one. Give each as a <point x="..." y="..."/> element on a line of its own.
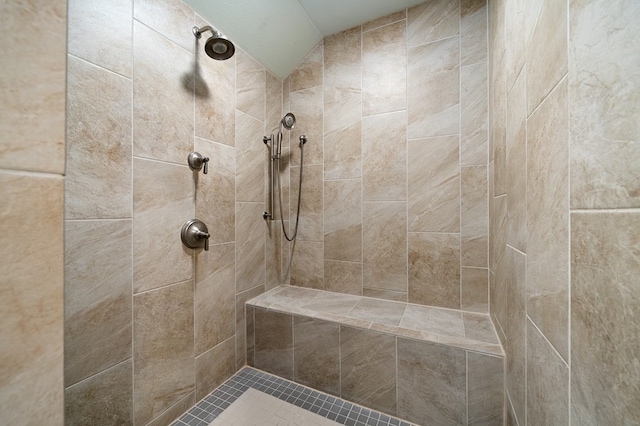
<point x="279" y="33"/>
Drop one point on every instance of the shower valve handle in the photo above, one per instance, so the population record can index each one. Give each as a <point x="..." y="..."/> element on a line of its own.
<point x="197" y="160"/>
<point x="195" y="234"/>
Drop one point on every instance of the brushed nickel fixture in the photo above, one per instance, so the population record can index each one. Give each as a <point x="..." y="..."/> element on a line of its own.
<point x="196" y="161"/>
<point x="217" y="46"/>
<point x="195" y="234"/>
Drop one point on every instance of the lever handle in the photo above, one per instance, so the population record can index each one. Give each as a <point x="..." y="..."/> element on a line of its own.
<point x="205" y="160"/>
<point x="203" y="236"/>
<point x="197" y="160"/>
<point x="195" y="234"/>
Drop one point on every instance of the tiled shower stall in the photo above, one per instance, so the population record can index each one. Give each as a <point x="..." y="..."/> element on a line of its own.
<point x="463" y="154"/>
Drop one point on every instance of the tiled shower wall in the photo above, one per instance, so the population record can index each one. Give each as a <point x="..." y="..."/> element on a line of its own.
<point x="150" y="326"/>
<point x="564" y="239"/>
<point x="32" y="117"/>
<point x="395" y="186"/>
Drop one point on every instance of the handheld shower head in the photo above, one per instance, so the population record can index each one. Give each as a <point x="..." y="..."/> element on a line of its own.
<point x="217" y="46"/>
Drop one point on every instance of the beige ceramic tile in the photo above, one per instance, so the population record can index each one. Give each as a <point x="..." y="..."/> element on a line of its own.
<point x="175" y="411"/>
<point x="498" y="295"/>
<point x="31" y="298"/>
<point x="32" y="116"/>
<point x="516" y="39"/>
<point x="475" y="289"/>
<point x="244" y="322"/>
<point x="473" y="114"/>
<point x="98" y="270"/>
<point x="515" y="323"/>
<point x="479" y="327"/>
<point x="215" y="366"/>
<point x="547" y="382"/>
<point x="434" y="184"/>
<point x="250" y="244"/>
<point x="334" y="303"/>
<point x="215" y="96"/>
<point x="605" y="300"/>
<point x="214" y="309"/>
<point x="162" y="97"/>
<point x="368" y="377"/>
<point x="548" y="218"/>
<point x="485" y="389"/>
<point x="162" y="201"/>
<point x="274" y="343"/>
<point x="247" y="357"/>
<point x="173" y="19"/>
<point x="250" y="86"/>
<point x="385" y="246"/>
<point x="445" y="322"/>
<point x="98" y="183"/>
<point x="604" y="135"/>
<point x="384" y="69"/>
<point x="378" y="311"/>
<point x="273" y="103"/>
<point x="516" y="167"/>
<point x="433" y="86"/>
<point x="546" y="55"/>
<point x="434" y="269"/>
<point x="275" y="265"/>
<point x="307" y="264"/>
<point x="384" y="157"/>
<point x="309" y="72"/>
<point x="163" y="349"/>
<point x="215" y="191"/>
<point x="497" y="93"/>
<point x="103" y="399"/>
<point x="317" y="354"/>
<point x="110" y="47"/>
<point x="250" y="159"/>
<point x="432" y="21"/>
<point x="343" y="277"/>
<point x="343" y="105"/>
<point x="473" y="31"/>
<point x="385" y="20"/>
<point x="311" y="207"/>
<point x="431" y="383"/>
<point x="474" y="228"/>
<point x="397" y="296"/>
<point x="307" y="105"/>
<point x="343" y="220"/>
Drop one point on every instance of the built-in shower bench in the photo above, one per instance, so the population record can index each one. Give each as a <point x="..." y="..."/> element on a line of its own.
<point x="426" y="364"/>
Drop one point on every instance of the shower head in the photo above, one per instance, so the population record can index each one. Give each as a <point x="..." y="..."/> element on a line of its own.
<point x="288" y="121"/>
<point x="217" y="46"/>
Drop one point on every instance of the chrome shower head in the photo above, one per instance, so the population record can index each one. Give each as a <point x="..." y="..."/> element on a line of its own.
<point x="217" y="46"/>
<point x="288" y="121"/>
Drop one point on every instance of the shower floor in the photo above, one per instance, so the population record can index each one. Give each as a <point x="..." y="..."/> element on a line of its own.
<point x="253" y="397"/>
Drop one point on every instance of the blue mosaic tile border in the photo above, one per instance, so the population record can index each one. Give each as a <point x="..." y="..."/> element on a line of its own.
<point x="336" y="409"/>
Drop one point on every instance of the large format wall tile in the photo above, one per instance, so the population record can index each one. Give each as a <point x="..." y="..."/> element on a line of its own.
<point x="343" y="220"/>
<point x="175" y="411"/>
<point x="434" y="269"/>
<point x="384" y="157"/>
<point x="171" y="18"/>
<point x="98" y="183"/>
<point x="548" y="219"/>
<point x="250" y="158"/>
<point x="434" y="185"/>
<point x="215" y="191"/>
<point x="474" y="216"/>
<point x="547" y="382"/>
<point x="432" y="21"/>
<point x="250" y="86"/>
<point x="101" y="33"/>
<point x="473" y="31"/>
<point x="431" y="383"/>
<point x="274" y="343"/>
<point x="309" y="72"/>
<point x="98" y="273"/>
<point x="244" y="322"/>
<point x="384" y="20"/>
<point x="605" y="307"/>
<point x="473" y="114"/>
<point x="515" y="329"/>
<point x="316" y="354"/>
<point x="311" y="209"/>
<point x="603" y="66"/>
<point x="474" y="284"/>
<point x="384" y="69"/>
<point x="343" y="105"/>
<point x="215" y="96"/>
<point x="516" y="39"/>
<point x="485" y="389"/>
<point x="250" y="243"/>
<point x="497" y="94"/>
<point x="368" y="376"/>
<point x="215" y="298"/>
<point x="385" y="246"/>
<point x="343" y="277"/>
<point x="162" y="202"/>
<point x="31" y="298"/>
<point x="103" y="399"/>
<point x="433" y="85"/>
<point x="215" y="366"/>
<point x="163" y="349"/>
<point x="307" y="264"/>
<point x="33" y="70"/>
<point x="162" y="97"/>
<point x="307" y="105"/>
